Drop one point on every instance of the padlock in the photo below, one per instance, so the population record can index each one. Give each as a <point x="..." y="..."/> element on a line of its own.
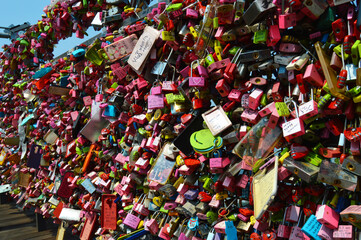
<point x="196" y="81"/>
<point x="283" y="230"/>
<point x="293" y="128"/>
<point x="286" y="20"/>
<point x="326" y="215"/>
<point x="308" y="109"/>
<point x="311" y="227"/>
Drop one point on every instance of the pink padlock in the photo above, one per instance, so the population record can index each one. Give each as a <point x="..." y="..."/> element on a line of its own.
<point x="195" y="81"/>
<point x="312" y="76"/>
<point x="229" y="184"/>
<point x="235" y="95"/>
<point x="255" y="98"/>
<point x="287" y="20"/>
<point x="327" y="216"/>
<point x="293" y="213"/>
<point x="223" y="88"/>
<point x="250" y="116"/>
<point x="325" y="233"/>
<point x="273" y="120"/>
<point x="191" y="13"/>
<point x="214" y="203"/>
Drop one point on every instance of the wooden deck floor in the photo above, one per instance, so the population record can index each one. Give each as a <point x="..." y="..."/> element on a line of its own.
<point x="16" y="224"/>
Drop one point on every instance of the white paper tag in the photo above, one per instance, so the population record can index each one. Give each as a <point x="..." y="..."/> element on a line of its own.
<point x="70" y="214"/>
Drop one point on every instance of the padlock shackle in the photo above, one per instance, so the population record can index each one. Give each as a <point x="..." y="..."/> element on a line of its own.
<point x="307" y="51"/>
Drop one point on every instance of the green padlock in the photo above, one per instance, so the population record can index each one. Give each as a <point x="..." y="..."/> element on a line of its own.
<point x="313" y="158"/>
<point x="208" y="182"/>
<point x="264" y="100"/>
<point x="170" y="98"/>
<point x="354" y="91"/>
<point x="337" y="50"/>
<point x="260" y="36"/>
<point x="209" y="59"/>
<point x="215" y="23"/>
<point x="174" y="7"/>
<point x="316" y="148"/>
<point x="211" y="216"/>
<point x="282" y="109"/>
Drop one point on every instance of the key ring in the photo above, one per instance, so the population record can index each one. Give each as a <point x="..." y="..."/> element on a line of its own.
<point x="224" y="212"/>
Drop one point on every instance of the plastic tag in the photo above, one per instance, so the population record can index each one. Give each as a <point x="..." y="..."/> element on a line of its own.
<point x="87" y="184"/>
<point x="231" y="231"/>
<point x="109" y="212"/>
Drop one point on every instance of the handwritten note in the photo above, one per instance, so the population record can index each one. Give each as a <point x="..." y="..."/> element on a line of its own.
<point x="306" y="108"/>
<point x="216" y="120"/>
<point x="291" y="127"/>
<point x="142" y="48"/>
<point x="343" y="231"/>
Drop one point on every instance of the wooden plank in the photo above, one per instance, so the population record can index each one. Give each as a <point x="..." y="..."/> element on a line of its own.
<point x="43" y="237"/>
<point x="9" y="217"/>
<point x="20" y="221"/>
<point x="16" y="232"/>
<point x="40" y="235"/>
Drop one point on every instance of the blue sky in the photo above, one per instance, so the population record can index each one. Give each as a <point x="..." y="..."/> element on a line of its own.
<point x="20" y="11"/>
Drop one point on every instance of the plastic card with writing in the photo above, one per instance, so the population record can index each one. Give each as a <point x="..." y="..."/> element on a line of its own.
<point x="162" y="168"/>
<point x="142" y="48"/>
<point x="121" y="48"/>
<point x="109" y="212"/>
<point x="34" y="156"/>
<point x="333" y="174"/>
<point x="264" y="188"/>
<point x="65" y="191"/>
<point x="89" y="226"/>
<point x="70" y="214"/>
<point x="87" y="184"/>
<point x="216" y="120"/>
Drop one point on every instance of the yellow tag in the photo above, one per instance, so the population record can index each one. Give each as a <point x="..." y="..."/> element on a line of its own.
<point x="157" y="114"/>
<point x="193" y="32"/>
<point x="167" y="36"/>
<point x="221" y="195"/>
<point x="179" y="160"/>
<point x="253" y="220"/>
<point x="337" y="50"/>
<point x="218" y="51"/>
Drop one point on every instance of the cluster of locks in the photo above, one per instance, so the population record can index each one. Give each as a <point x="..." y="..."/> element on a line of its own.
<point x="215" y="119"/>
